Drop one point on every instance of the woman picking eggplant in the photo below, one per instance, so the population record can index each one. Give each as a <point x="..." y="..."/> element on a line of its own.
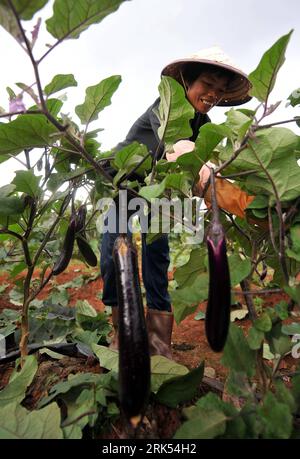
<point x="209" y="79"/>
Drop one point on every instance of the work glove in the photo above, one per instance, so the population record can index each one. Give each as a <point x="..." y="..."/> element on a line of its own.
<point x="179" y="148"/>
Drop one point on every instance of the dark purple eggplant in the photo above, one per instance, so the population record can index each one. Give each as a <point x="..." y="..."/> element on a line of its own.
<point x="134" y="357"/>
<point x="217" y="317"/>
<point x="83" y="246"/>
<point x="86" y="251"/>
<point x="67" y="249"/>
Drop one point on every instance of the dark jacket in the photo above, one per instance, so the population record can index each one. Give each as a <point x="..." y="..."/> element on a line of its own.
<point x="144" y="131"/>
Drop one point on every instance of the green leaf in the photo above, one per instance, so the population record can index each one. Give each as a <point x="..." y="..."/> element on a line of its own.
<point x="278" y="342"/>
<point x="255" y="338"/>
<point x="210" y="135"/>
<point x="238" y="385"/>
<point x="264" y="76"/>
<point x="235" y="426"/>
<point x="282" y="310"/>
<point x="153" y="191"/>
<point x="293" y="292"/>
<point x="239" y="269"/>
<point x="184" y="298"/>
<point x="181" y="388"/>
<point x="26" y="131"/>
<point x="163" y="369"/>
<point x="291" y="329"/>
<point x="294" y="98"/>
<point x="26" y="8"/>
<point x="276" y="417"/>
<point x="294" y="251"/>
<point x="60" y="82"/>
<point x="27" y="182"/>
<point x="11" y="206"/>
<point x="8" y="20"/>
<point x="263" y="322"/>
<point x="272" y="150"/>
<point x="129" y="157"/>
<point x="6" y="190"/>
<point x="71" y="17"/>
<point x="18" y="383"/>
<point x="84" y="308"/>
<point x="97" y="98"/>
<point x="237" y="355"/>
<point x="18" y="423"/>
<point x="187" y="274"/>
<point x="108" y="358"/>
<point x="74" y="381"/>
<point x="238" y="123"/>
<point x="181" y="181"/>
<point x="174" y="112"/>
<point x="206" y="423"/>
<point x="284" y="395"/>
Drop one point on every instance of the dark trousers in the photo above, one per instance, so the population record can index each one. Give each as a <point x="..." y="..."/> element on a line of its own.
<point x="155" y="263"/>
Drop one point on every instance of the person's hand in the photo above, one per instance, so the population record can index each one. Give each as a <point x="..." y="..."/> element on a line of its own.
<point x="204" y="174"/>
<point x="179" y="148"/>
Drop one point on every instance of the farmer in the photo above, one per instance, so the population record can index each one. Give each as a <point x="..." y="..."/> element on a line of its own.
<point x="209" y="78"/>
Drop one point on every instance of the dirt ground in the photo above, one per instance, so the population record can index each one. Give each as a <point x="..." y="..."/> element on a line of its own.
<point x="189" y="347"/>
<point x="189" y="344"/>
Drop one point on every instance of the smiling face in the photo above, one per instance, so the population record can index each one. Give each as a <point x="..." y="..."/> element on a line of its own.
<point x="207" y="90"/>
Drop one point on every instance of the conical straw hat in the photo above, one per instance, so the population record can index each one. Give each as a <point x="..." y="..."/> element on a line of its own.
<point x="239" y="86"/>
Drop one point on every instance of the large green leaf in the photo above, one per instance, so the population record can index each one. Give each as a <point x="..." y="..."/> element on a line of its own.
<point x="71" y="17"/>
<point x="8" y="21"/>
<point x="27" y="182"/>
<point x="11" y="206"/>
<point x="264" y="76"/>
<point x="239" y="269"/>
<point x="18" y="423"/>
<point x="97" y="98"/>
<point x="273" y="150"/>
<point x="235" y="426"/>
<point x="193" y="293"/>
<point x="108" y="358"/>
<point x="153" y="191"/>
<point x="237" y="355"/>
<point x="60" y="82"/>
<point x="210" y="135"/>
<point x="129" y="157"/>
<point x="181" y="388"/>
<point x="277" y="418"/>
<point x="174" y="112"/>
<point x="26" y="8"/>
<point x="163" y="369"/>
<point x="294" y="251"/>
<point x="186" y="274"/>
<point x="27" y="131"/>
<point x="73" y="381"/>
<point x="238" y="123"/>
<point x="17" y="386"/>
<point x="205" y="424"/>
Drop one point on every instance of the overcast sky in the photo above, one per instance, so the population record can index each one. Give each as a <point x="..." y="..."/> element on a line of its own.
<point x="142" y="37"/>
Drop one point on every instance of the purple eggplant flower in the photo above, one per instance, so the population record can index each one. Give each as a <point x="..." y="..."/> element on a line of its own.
<point x="17" y="105"/>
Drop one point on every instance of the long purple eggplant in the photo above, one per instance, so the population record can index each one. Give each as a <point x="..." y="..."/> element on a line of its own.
<point x="134" y="357"/>
<point x="217" y="317"/>
<point x="83" y="246"/>
<point x="67" y="249"/>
